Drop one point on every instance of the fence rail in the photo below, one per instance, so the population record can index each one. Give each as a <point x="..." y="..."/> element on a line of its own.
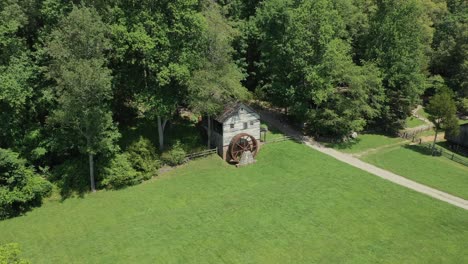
<point x="201" y="154"/>
<point x="408" y="134"/>
<point x="450" y="155"/>
<point x="284" y="138"/>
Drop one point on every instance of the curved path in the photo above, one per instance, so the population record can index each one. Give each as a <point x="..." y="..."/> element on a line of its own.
<point x="273" y="118"/>
<point x="427" y="126"/>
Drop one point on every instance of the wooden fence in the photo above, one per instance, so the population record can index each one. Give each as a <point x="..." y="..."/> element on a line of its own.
<point x="412" y="134"/>
<point x="201" y="154"/>
<point x="284" y="138"/>
<point x="437" y="151"/>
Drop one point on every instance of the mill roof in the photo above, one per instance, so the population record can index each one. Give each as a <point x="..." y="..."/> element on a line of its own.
<point x="230" y="109"/>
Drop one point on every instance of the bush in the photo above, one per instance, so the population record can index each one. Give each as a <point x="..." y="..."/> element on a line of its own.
<point x="9" y="254"/>
<point x="175" y="156"/>
<point x="20" y="187"/>
<point x="463" y="106"/>
<point x="142" y="156"/>
<point x="119" y="173"/>
<point x="72" y="177"/>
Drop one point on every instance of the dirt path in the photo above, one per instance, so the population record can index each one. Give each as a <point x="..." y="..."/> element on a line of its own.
<point x="427" y="126"/>
<point x="273" y="118"/>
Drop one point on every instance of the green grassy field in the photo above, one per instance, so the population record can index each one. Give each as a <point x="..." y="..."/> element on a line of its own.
<point x="294" y="205"/>
<point x="415" y="162"/>
<point x="412" y="122"/>
<point x="365" y="142"/>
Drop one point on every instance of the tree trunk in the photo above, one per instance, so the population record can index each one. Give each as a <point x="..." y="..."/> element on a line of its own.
<point x="91" y="172"/>
<point x="161" y="133"/>
<point x="209" y="132"/>
<point x="435" y="140"/>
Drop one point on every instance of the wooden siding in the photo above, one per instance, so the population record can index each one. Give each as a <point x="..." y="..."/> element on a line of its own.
<point x="216" y="139"/>
<point x="238" y="120"/>
<point x="462" y="138"/>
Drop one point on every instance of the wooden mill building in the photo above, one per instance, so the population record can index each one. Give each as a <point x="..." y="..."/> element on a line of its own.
<point x="461" y="139"/>
<point x="235" y="121"/>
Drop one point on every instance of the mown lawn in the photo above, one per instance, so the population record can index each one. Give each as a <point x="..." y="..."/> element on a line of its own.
<point x="415" y="162"/>
<point x="294" y="205"/>
<point x="365" y="142"/>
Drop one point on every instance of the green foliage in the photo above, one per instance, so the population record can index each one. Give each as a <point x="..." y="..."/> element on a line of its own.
<point x="83" y="81"/>
<point x="9" y="254"/>
<point x="83" y="84"/>
<point x="71" y="177"/>
<point x="175" y="156"/>
<point x="450" y="45"/>
<point x="311" y="68"/>
<point x="119" y="173"/>
<point x="20" y="187"/>
<point x="462" y="106"/>
<point x="442" y="112"/>
<point x="217" y="80"/>
<point x="399" y="42"/>
<point x="16" y="70"/>
<point x="142" y="155"/>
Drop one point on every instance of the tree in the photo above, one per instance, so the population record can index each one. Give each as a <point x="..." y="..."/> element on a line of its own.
<point x="156" y="46"/>
<point x="398" y="41"/>
<point x="442" y="112"/>
<point x="83" y="84"/>
<point x="20" y="187"/>
<point x="308" y="60"/>
<point x="16" y="70"/>
<point x="450" y="47"/>
<point x="217" y="81"/>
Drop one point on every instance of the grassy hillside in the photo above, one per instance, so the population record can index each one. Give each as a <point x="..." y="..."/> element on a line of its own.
<point x="415" y="162"/>
<point x="294" y="205"/>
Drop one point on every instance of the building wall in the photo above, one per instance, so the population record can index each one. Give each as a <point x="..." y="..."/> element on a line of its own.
<point x="462" y="138"/>
<point x="238" y="121"/>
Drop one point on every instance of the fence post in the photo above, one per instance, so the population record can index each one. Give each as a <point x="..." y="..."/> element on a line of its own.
<point x="453" y="155"/>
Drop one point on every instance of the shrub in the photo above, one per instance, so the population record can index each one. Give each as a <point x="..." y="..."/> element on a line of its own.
<point x="119" y="173"/>
<point x="20" y="187"/>
<point x="72" y="177"/>
<point x="9" y="254"/>
<point x="142" y="156"/>
<point x="175" y="156"/>
<point x="463" y="106"/>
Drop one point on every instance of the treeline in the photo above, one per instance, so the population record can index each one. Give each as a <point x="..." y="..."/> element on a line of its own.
<point x="346" y="65"/>
<point x="74" y="75"/>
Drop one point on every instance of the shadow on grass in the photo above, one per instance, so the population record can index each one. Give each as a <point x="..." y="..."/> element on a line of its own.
<point x="424" y="150"/>
<point x="343" y="145"/>
<point x="453" y="148"/>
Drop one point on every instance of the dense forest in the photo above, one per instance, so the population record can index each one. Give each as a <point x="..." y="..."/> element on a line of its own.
<point x="76" y="76"/>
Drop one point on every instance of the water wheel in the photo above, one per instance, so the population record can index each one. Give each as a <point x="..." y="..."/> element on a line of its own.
<point x="241" y="143"/>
